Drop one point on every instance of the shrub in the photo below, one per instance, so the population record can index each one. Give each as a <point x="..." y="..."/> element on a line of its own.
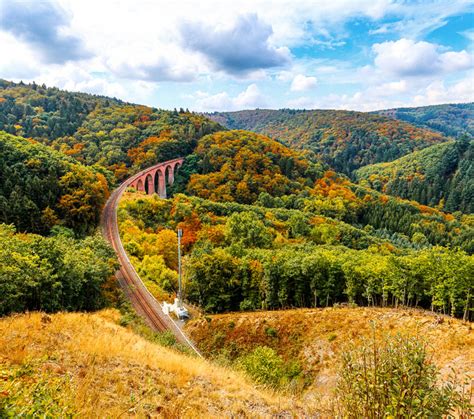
<point x="264" y="365"/>
<point x="392" y="378"/>
<point x="270" y="331"/>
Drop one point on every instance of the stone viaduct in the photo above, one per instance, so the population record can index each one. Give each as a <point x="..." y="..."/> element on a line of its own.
<point x="155" y="178"/>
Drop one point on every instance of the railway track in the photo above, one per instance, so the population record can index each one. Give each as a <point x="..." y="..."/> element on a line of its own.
<point x="134" y="288"/>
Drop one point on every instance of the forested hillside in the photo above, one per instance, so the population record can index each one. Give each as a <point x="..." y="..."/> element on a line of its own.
<point x="441" y="175"/>
<point x="41" y="188"/>
<point x="260" y="219"/>
<point x="53" y="273"/>
<point x="451" y="120"/>
<point x="342" y="139"/>
<point x="119" y="136"/>
<point x="45" y="113"/>
<point x="325" y="241"/>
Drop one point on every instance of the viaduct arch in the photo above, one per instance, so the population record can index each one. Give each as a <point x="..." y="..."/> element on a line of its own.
<point x="156" y="178"/>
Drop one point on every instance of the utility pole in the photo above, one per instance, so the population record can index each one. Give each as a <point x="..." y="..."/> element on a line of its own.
<point x="180" y="290"/>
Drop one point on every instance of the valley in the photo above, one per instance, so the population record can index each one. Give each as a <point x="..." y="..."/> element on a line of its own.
<point x="309" y="237"/>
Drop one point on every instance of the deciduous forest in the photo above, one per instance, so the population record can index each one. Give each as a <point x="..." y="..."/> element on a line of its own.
<point x="267" y="224"/>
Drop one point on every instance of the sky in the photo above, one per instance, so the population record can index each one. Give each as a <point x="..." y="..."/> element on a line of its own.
<point x="212" y="55"/>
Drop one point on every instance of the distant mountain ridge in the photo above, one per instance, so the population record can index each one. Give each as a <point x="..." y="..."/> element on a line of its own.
<point x="345" y="140"/>
<point x="451" y="119"/>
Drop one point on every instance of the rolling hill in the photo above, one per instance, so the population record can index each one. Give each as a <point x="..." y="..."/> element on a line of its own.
<point x="441" y="175"/>
<point x="344" y="140"/>
<point x="119" y="136"/>
<point x="315" y="338"/>
<point x="41" y="188"/>
<point x="451" y="120"/>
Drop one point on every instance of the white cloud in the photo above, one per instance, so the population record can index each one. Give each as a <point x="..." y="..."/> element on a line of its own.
<point x="437" y="93"/>
<point x="391" y="88"/>
<point x="18" y="60"/>
<point x="302" y="102"/>
<point x="392" y="95"/>
<point x="249" y="98"/>
<point x="406" y="57"/>
<point x="301" y="83"/>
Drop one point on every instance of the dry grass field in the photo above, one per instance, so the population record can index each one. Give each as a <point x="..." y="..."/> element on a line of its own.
<point x="87" y="364"/>
<point x="316" y="337"/>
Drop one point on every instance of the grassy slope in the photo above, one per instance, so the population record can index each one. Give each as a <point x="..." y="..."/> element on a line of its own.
<point x="87" y="364"/>
<point x="315" y="337"/>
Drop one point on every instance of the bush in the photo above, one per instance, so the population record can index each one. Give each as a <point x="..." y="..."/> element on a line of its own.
<point x="270" y="331"/>
<point x="264" y="365"/>
<point x="392" y="378"/>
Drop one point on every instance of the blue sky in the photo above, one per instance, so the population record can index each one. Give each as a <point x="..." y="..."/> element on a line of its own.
<point x="227" y="55"/>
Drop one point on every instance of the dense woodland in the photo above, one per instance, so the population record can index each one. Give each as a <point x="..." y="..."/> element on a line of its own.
<point x="53" y="273"/>
<point x="331" y="241"/>
<point x="452" y="120"/>
<point x="118" y="136"/>
<point x="441" y="175"/>
<point x="344" y="140"/>
<point x="41" y="188"/>
<point x="267" y="223"/>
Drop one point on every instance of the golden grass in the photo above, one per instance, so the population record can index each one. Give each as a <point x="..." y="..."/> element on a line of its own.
<point x="105" y="370"/>
<point x="316" y="337"/>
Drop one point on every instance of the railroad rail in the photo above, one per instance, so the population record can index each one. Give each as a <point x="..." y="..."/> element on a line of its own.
<point x="134" y="288"/>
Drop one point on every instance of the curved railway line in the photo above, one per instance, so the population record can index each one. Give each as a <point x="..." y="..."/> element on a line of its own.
<point x="134" y="288"/>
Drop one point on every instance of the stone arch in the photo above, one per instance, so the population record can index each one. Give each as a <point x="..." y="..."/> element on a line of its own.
<point x="149" y="184"/>
<point x="156" y="178"/>
<point x="176" y="166"/>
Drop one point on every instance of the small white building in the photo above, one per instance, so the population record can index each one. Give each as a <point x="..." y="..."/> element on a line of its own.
<point x="180" y="312"/>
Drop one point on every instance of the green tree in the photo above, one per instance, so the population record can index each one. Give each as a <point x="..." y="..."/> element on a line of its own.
<point x="247" y="229"/>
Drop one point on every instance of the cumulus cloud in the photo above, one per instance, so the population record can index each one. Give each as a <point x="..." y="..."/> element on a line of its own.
<point x="437" y="93"/>
<point x="42" y="25"/>
<point x="406" y="57"/>
<point x="240" y="48"/>
<point x="160" y="69"/>
<point x="301" y="83"/>
<point x="251" y="97"/>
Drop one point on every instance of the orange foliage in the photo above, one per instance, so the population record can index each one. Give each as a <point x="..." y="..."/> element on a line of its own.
<point x="76" y="149"/>
<point x="330" y="185"/>
<point x="190" y="226"/>
<point x="239" y="165"/>
<point x="145" y="151"/>
<point x="120" y="171"/>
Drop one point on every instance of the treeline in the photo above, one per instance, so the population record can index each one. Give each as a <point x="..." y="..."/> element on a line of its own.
<point x="221" y="279"/>
<point x="342" y="139"/>
<point x="252" y="257"/>
<point x="32" y="110"/>
<point x="440" y="175"/>
<point x="41" y="188"/>
<point x="53" y="273"/>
